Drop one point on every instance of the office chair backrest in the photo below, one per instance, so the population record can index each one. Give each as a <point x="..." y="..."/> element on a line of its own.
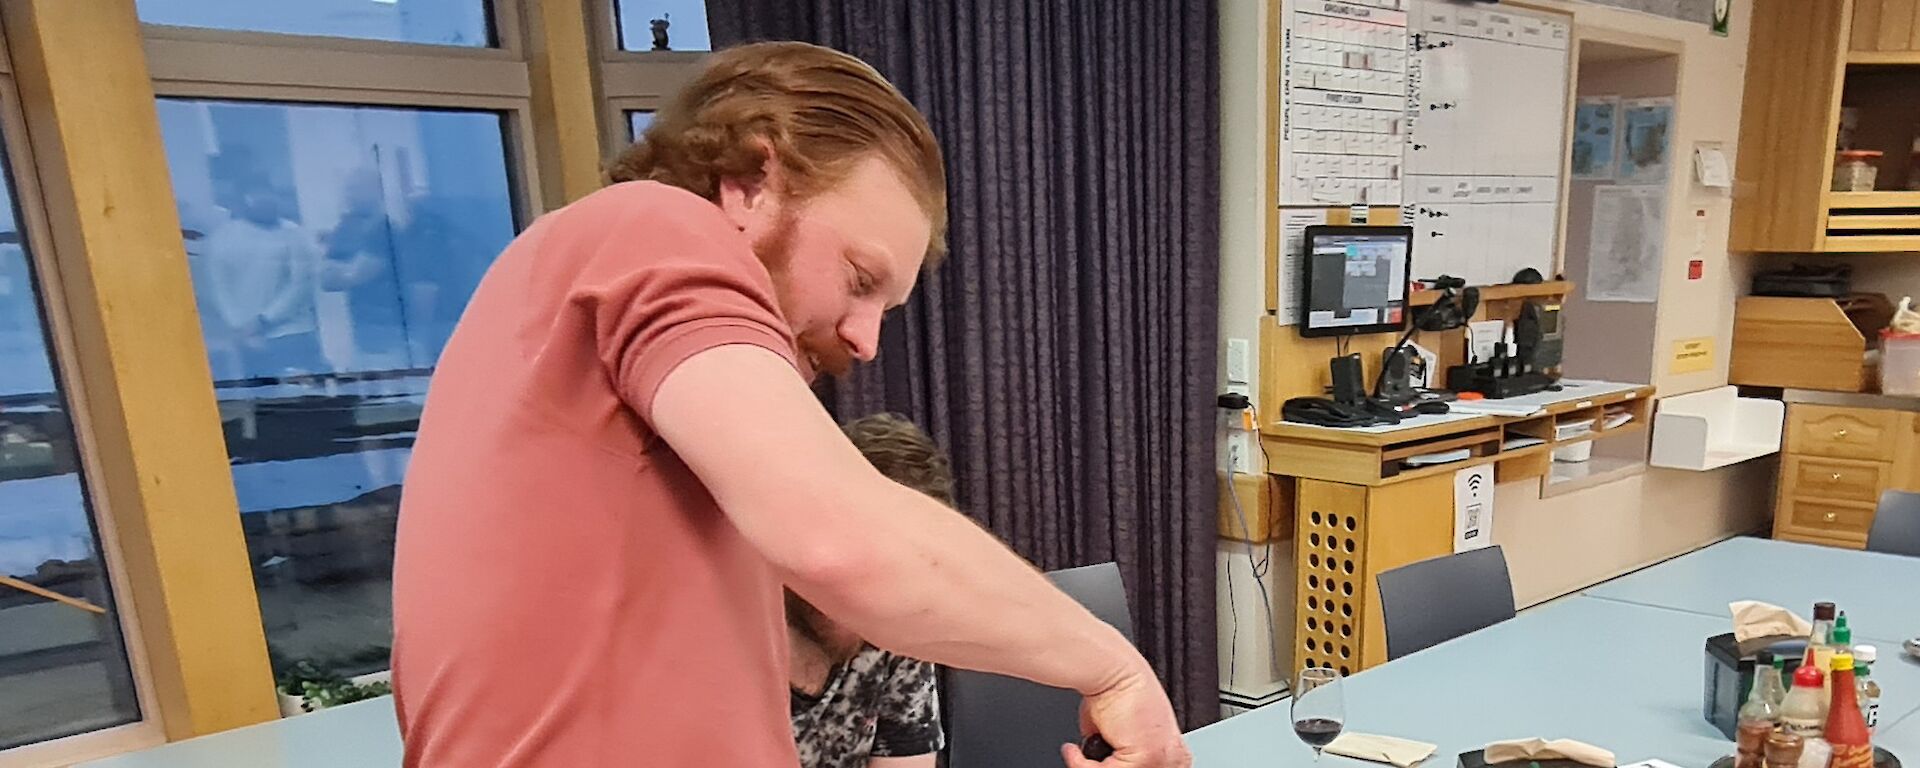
<point x="1896" y="525"/>
<point x="1003" y="722"/>
<point x="1432" y="601"/>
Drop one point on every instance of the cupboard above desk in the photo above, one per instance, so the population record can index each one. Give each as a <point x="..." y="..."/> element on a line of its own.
<point x="1812" y="66"/>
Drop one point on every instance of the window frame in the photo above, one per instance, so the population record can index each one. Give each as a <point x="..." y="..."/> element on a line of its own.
<point x="147" y="729"/>
<point x="198" y="63"/>
<point x="314" y="70"/>
<point x="632" y="80"/>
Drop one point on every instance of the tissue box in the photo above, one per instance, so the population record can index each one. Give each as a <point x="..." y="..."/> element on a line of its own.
<point x="1730" y="676"/>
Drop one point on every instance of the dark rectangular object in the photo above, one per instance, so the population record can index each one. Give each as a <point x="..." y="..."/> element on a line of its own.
<point x="1729" y="676"/>
<point x="1349" y="385"/>
<point x="1484" y="378"/>
<point x="1805" y="281"/>
<point x="1348" y="270"/>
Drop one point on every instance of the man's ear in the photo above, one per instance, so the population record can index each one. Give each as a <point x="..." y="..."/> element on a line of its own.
<point x="753" y="202"/>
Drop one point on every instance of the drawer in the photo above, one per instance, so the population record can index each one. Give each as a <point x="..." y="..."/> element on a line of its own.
<point x="1827" y="520"/>
<point x="1843" y="433"/>
<point x="1836" y="479"/>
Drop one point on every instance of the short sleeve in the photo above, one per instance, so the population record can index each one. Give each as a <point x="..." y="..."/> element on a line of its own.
<point x="667" y="281"/>
<point x="909" y="716"/>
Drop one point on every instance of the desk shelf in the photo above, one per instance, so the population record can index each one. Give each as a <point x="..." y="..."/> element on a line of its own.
<point x="1357" y="511"/>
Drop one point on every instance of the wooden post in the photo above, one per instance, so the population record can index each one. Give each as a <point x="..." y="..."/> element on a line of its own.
<point x="566" y="130"/>
<point x="157" y="457"/>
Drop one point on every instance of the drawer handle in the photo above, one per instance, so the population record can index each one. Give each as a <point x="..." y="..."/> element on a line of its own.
<point x="1839" y="434"/>
<point x="1829" y="517"/>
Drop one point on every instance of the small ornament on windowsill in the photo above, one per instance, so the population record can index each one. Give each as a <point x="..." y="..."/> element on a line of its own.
<point x="659" y="27"/>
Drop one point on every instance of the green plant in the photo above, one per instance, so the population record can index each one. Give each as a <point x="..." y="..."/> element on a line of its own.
<point x="319" y="689"/>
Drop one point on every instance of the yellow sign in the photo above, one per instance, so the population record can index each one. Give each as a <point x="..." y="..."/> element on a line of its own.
<point x="1692" y="355"/>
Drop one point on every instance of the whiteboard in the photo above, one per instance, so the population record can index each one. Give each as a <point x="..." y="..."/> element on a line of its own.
<point x="1456" y="114"/>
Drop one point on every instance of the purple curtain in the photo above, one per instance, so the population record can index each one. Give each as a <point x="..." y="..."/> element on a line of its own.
<point x="1065" y="353"/>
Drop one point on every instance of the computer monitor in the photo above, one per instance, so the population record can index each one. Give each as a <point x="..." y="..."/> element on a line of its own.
<point x="1355" y="280"/>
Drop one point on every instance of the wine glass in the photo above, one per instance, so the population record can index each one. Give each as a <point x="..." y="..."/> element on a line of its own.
<point x="1318" y="711"/>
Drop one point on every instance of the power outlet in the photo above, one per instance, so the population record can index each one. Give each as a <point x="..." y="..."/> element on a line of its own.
<point x="1240" y="451"/>
<point x="1239" y="361"/>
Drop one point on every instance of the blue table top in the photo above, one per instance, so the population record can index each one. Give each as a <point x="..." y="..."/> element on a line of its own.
<point x="1615" y="675"/>
<point x="1619" y="667"/>
<point x="1880" y="593"/>
<point x="362" y="734"/>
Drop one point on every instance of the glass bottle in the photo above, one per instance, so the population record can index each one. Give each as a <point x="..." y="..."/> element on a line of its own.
<point x="1758" y="716"/>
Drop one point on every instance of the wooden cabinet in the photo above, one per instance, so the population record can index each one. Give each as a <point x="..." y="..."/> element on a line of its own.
<point x="1884" y="29"/>
<point x="1835" y="463"/>
<point x="1806" y="61"/>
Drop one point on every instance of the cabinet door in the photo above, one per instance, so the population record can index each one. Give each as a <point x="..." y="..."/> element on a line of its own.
<point x="1885" y="25"/>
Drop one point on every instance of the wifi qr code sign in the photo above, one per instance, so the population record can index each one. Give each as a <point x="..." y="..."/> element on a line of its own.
<point x="1472" y="508"/>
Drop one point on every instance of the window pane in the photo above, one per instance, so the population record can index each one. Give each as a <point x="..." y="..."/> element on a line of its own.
<point x="637" y="122"/>
<point x="332" y="248"/>
<point x="437" y="22"/>
<point x="663" y="25"/>
<point x="63" y="665"/>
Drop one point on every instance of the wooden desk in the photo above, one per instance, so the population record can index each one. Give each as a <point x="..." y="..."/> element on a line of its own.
<point x="1359" y="509"/>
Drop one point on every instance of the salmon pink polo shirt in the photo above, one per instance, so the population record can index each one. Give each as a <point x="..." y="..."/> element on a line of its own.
<point x="566" y="592"/>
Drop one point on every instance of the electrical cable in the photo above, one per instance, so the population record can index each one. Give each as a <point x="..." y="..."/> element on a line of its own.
<point x="1259" y="569"/>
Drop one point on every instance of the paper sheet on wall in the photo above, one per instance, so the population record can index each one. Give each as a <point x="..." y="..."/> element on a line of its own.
<point x="1473" y="508"/>
<point x="1629" y="235"/>
<point x="1293" y="239"/>
<point x="1646" y="140"/>
<point x="1596" y="124"/>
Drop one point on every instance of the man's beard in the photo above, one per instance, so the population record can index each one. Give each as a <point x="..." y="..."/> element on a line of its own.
<point x="818" y="629"/>
<point x="821" y="351"/>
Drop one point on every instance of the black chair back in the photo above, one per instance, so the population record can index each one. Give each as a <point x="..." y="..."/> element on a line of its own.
<point x="1427" y="603"/>
<point x="1896" y="525"/>
<point x="995" y="721"/>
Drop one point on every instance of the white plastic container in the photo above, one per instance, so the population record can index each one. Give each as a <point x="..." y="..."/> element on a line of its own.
<point x="1899" y="363"/>
<point x="1577" y="452"/>
<point x="1574" y="454"/>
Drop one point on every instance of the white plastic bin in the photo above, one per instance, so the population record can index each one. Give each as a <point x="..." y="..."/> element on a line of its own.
<point x="1899" y="363"/>
<point x="1574" y="454"/>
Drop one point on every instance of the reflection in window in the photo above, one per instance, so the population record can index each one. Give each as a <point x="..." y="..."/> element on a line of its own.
<point x="332" y="248"/>
<point x="637" y="122"/>
<point x="63" y="665"/>
<point x="437" y="22"/>
<point x="662" y="25"/>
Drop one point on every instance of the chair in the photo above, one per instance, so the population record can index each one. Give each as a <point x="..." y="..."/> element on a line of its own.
<point x="1896" y="524"/>
<point x="995" y="721"/>
<point x="1432" y="601"/>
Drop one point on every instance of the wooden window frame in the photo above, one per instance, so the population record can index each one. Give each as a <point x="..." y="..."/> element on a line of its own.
<point x="145" y="731"/>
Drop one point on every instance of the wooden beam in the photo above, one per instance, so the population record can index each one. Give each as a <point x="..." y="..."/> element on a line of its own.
<point x="566" y="130"/>
<point x="35" y="589"/>
<point x="156" y="454"/>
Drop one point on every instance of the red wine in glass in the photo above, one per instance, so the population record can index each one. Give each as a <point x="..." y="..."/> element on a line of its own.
<point x="1318" y="711"/>
<point x="1317" y="732"/>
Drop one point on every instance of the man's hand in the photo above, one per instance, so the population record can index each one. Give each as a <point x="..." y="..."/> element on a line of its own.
<point x="1134" y="717"/>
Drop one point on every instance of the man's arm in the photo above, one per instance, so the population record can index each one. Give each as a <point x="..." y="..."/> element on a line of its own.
<point x="917" y="761"/>
<point x="897" y="567"/>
